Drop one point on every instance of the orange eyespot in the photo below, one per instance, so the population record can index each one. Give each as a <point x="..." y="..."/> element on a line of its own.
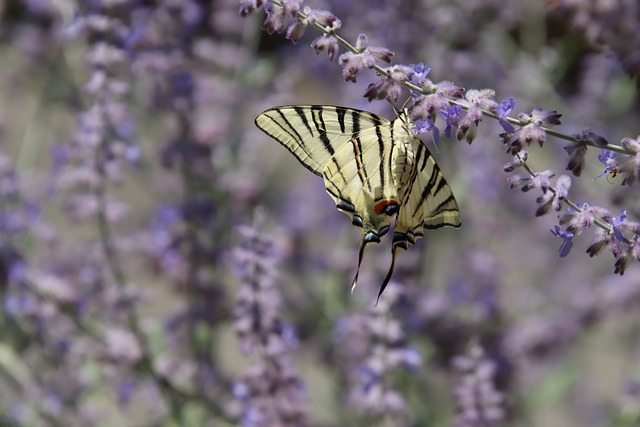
<point x="382" y="207"/>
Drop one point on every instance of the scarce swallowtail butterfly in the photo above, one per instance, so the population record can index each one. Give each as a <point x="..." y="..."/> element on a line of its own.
<point x="373" y="169"/>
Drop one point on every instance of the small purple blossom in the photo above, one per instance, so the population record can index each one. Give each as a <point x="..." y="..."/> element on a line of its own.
<point x="617" y="221"/>
<point x="502" y="110"/>
<point x="451" y="116"/>
<point x="132" y="154"/>
<point x="609" y="159"/>
<point x="567" y="240"/>
<point x="420" y="72"/>
<point x="427" y="125"/>
<point x="20" y="305"/>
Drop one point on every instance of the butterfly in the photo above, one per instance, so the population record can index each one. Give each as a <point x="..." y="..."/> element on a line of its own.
<point x="373" y="168"/>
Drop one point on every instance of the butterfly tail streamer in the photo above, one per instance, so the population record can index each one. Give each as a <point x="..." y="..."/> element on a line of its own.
<point x="394" y="253"/>
<point x="363" y="246"/>
<point x="368" y="237"/>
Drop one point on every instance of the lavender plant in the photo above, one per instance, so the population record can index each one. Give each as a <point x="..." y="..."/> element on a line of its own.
<point x="138" y="288"/>
<point x="270" y="391"/>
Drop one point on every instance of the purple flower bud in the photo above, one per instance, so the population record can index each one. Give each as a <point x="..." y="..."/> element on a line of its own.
<point x="588" y="135"/>
<point x="328" y="43"/>
<point x="361" y="42"/>
<point x="517" y="161"/>
<point x="577" y="152"/>
<point x="425" y="106"/>
<point x="468" y="124"/>
<point x="323" y="17"/>
<point x="541" y="116"/>
<point x="482" y="98"/>
<point x="250" y="6"/>
<point x="384" y="88"/>
<point x="296" y="30"/>
<point x="276" y="18"/>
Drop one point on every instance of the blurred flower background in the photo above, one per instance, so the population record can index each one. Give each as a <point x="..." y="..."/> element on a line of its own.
<point x="163" y="262"/>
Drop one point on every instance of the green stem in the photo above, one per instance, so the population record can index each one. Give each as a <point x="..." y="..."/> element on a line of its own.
<point x="411" y="86"/>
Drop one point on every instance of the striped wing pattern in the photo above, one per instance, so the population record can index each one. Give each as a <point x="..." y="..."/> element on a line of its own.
<point x="373" y="168"/>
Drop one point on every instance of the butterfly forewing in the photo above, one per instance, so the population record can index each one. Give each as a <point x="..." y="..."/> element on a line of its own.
<point x="373" y="169"/>
<point x="356" y="176"/>
<point x="313" y="133"/>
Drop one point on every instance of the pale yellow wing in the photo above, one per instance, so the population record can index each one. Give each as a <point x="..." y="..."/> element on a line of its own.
<point x="351" y="149"/>
<point x="372" y="168"/>
<point x="360" y="180"/>
<point x="426" y="200"/>
<point x="313" y="133"/>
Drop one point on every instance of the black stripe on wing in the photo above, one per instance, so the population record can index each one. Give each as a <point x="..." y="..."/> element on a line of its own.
<point x="290" y="148"/>
<point x="318" y="121"/>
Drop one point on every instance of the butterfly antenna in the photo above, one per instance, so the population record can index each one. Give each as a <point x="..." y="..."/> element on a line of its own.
<point x="394" y="252"/>
<point x="404" y="104"/>
<point x="395" y="110"/>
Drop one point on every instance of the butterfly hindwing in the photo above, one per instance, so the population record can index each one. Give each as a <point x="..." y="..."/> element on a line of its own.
<point x="426" y="200"/>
